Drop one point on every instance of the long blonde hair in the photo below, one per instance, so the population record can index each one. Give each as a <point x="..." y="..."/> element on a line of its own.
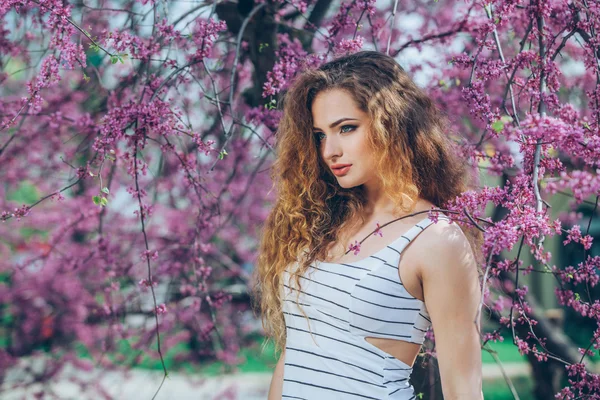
<point x="416" y="158"/>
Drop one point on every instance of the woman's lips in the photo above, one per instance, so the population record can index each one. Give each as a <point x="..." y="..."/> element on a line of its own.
<point x="341" y="171"/>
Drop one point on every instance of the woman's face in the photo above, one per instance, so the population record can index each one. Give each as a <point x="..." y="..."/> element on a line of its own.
<point x="341" y="130"/>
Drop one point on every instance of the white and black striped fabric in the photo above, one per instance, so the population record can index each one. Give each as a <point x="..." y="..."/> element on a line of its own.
<point x="346" y="303"/>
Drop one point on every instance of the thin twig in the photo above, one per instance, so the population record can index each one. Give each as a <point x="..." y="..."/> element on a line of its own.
<point x="389" y="43"/>
<point x="228" y="134"/>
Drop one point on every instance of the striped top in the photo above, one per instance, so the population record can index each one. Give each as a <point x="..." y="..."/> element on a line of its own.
<point x="346" y="303"/>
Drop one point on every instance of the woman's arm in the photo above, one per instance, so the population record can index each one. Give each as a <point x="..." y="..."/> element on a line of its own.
<point x="452" y="296"/>
<point x="276" y="388"/>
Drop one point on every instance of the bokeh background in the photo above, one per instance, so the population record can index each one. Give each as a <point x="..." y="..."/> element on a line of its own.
<point x="135" y="144"/>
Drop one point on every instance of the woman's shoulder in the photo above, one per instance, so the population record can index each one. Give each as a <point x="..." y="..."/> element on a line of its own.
<point x="444" y="243"/>
<point x="444" y="231"/>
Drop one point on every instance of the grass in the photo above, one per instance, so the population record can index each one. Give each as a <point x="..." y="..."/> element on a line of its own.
<point x="506" y="351"/>
<point x="497" y="389"/>
<point x="257" y="362"/>
<point x="126" y="355"/>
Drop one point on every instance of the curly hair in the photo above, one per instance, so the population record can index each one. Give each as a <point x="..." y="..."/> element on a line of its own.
<point x="416" y="158"/>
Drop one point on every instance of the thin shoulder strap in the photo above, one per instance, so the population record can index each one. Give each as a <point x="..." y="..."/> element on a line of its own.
<point x="404" y="240"/>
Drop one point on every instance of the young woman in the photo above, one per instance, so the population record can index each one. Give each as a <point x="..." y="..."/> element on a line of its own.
<point x="353" y="268"/>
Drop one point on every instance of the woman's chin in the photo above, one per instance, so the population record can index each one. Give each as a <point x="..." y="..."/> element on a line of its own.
<point x="346" y="184"/>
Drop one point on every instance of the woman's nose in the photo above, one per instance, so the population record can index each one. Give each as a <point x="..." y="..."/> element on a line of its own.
<point x="332" y="147"/>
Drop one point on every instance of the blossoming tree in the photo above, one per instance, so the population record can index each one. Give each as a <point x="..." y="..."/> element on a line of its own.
<point x="135" y="139"/>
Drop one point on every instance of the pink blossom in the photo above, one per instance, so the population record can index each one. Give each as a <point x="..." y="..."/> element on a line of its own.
<point x="378" y="231"/>
<point x="346" y="46"/>
<point x="355" y="247"/>
<point x="161" y="309"/>
<point x="290" y="55"/>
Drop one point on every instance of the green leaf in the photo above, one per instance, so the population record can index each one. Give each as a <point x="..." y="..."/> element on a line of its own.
<point x="103" y="201"/>
<point x="498" y="126"/>
<point x="96" y="200"/>
<point x="271" y="104"/>
<point x="105" y="190"/>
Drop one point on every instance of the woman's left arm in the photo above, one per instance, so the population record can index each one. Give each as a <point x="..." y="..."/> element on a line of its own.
<point x="452" y="296"/>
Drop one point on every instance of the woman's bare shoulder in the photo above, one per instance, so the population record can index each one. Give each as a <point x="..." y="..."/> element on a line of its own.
<point x="444" y="244"/>
<point x="443" y="232"/>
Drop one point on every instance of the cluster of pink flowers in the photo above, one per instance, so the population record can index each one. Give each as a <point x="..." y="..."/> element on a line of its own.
<point x="290" y="54"/>
<point x="17" y="213"/>
<point x="264" y="116"/>
<point x="145" y="283"/>
<point x="349" y="45"/>
<point x="48" y="77"/>
<point x="203" y="146"/>
<point x="204" y="35"/>
<point x="133" y="45"/>
<point x="586" y="272"/>
<point x="345" y="17"/>
<point x="581" y="381"/>
<point x="218" y="299"/>
<point x="355" y="247"/>
<point x="574" y="235"/>
<point x="479" y="100"/>
<point x="167" y="30"/>
<point x="149" y="254"/>
<point x="161" y="309"/>
<point x="582" y="184"/>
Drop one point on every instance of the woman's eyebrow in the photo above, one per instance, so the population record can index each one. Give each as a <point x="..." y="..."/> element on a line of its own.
<point x="334" y="124"/>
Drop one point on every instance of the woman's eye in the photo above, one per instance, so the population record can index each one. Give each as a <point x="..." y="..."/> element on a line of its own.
<point x="342" y="129"/>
